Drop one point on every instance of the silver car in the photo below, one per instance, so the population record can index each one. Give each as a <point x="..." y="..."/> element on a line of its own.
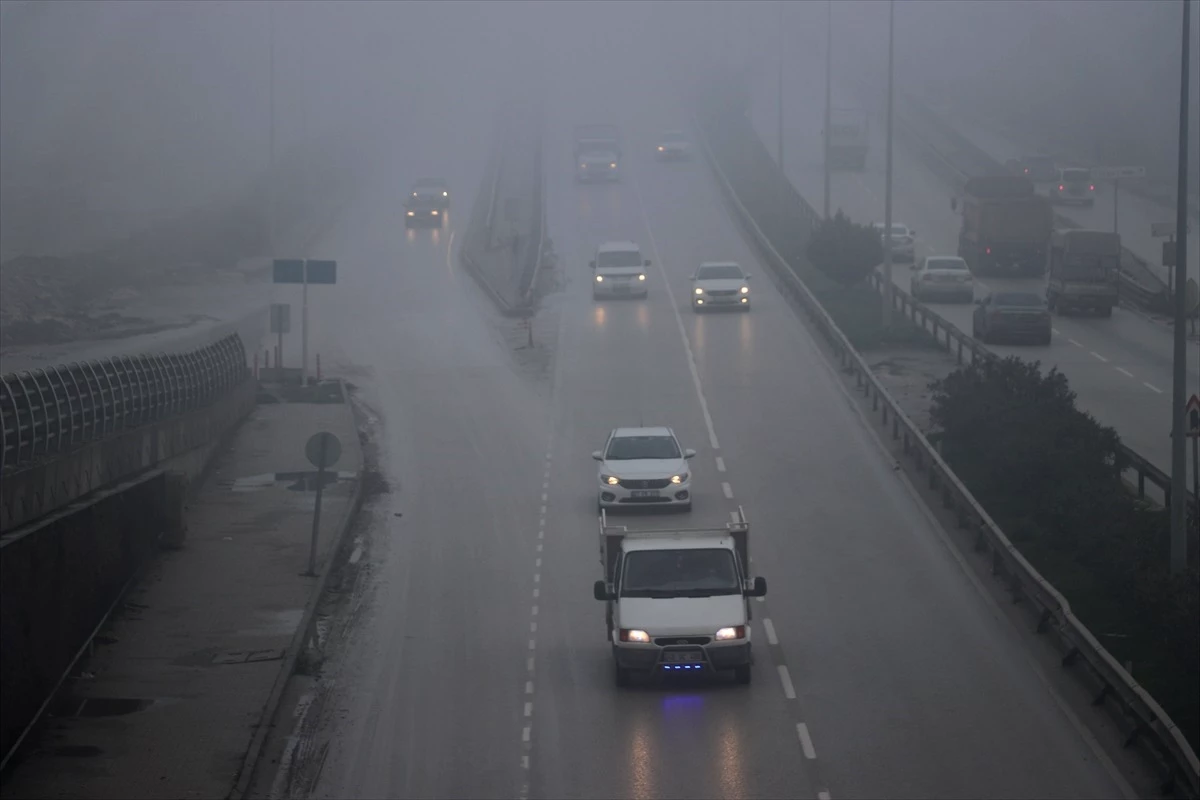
<point x="942" y="278"/>
<point x="720" y="284"/>
<point x="902" y="241"/>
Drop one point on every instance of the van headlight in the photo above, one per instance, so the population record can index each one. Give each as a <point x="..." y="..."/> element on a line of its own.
<point x="599" y="279"/>
<point x="699" y="290"/>
<point x="642" y="277"/>
<point x="745" y="290"/>
<point x="732" y="632"/>
<point x="634" y="635"/>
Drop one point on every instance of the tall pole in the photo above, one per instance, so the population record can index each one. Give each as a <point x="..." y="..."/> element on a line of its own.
<point x="271" y="148"/>
<point x="828" y="95"/>
<point x="887" y="199"/>
<point x="1179" y="534"/>
<point x="782" y="172"/>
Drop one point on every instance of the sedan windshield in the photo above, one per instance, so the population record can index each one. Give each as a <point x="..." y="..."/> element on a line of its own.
<point x="679" y="573"/>
<point x="619" y="258"/>
<point x="946" y="263"/>
<point x="719" y="272"/>
<point x="629" y="448"/>
<point x="1024" y="299"/>
<point x="1076" y="175"/>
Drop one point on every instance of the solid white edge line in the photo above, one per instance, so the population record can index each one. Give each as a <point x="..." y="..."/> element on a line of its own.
<point x="805" y="741"/>
<point x="1124" y="372"/>
<point x="1098" y="356"/>
<point x="1152" y="387"/>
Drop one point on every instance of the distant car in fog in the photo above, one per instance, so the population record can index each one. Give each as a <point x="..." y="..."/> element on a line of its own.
<point x="619" y="271"/>
<point x="643" y="466"/>
<point x="1016" y="316"/>
<point x="902" y="240"/>
<point x="1075" y="185"/>
<point x="598" y="167"/>
<point x="1039" y="168"/>
<point x="423" y="210"/>
<point x="433" y="190"/>
<point x="942" y="277"/>
<point x="720" y="284"/>
<point x="673" y="145"/>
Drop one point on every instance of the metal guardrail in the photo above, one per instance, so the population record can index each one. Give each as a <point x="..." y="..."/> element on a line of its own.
<point x="966" y="350"/>
<point x="50" y="411"/>
<point x="1150" y="723"/>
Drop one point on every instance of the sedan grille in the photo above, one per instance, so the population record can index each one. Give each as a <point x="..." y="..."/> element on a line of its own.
<point x="656" y="483"/>
<point x="668" y="641"/>
<point x="721" y="292"/>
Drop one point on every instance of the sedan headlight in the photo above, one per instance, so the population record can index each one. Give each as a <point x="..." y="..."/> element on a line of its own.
<point x="680" y="478"/>
<point x="445" y="194"/>
<point x="733" y="632"/>
<point x="613" y="165"/>
<point x="642" y="277"/>
<point x="599" y="279"/>
<point x="699" y="290"/>
<point x="611" y="480"/>
<point x="434" y="212"/>
<point x="745" y="290"/>
<point x="634" y="635"/>
<point x="412" y="213"/>
<point x="660" y="148"/>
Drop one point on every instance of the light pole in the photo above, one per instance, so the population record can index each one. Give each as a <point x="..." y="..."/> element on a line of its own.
<point x="828" y="94"/>
<point x="271" y="147"/>
<point x="782" y="172"/>
<point x="1179" y="534"/>
<point x="887" y="198"/>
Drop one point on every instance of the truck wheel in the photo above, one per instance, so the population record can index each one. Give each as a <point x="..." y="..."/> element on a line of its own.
<point x="741" y="674"/>
<point x="621" y="676"/>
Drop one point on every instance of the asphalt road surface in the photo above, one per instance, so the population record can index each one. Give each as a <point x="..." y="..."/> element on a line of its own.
<point x="1120" y="367"/>
<point x="479" y="666"/>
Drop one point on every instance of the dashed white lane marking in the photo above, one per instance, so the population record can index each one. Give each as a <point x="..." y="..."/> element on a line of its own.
<point x="805" y="741"/>
<point x="356" y="555"/>
<point x="1152" y="387"/>
<point x="720" y="464"/>
<point x="1126" y="373"/>
<point x="529" y="709"/>
<point x="545" y="497"/>
<point x="1072" y="341"/>
<point x="1098" y="357"/>
<point x="727" y="489"/>
<point x="789" y="691"/>
<point x="525" y="738"/>
<point x="527" y="729"/>
<point x="687" y="345"/>
<point x="769" y="626"/>
<point x="1056" y="331"/>
<point x="528" y="687"/>
<point x="824" y="795"/>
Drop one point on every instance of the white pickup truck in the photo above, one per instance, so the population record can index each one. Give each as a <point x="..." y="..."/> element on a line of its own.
<point x="677" y="600"/>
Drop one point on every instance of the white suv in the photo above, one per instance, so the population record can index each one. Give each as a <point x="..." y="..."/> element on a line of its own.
<point x="644" y="466"/>
<point x="720" y="284"/>
<point x="620" y="271"/>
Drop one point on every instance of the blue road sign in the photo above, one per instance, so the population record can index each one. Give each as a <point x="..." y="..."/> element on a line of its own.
<point x="291" y="270"/>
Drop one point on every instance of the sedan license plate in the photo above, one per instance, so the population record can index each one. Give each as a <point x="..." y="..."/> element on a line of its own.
<point x="644" y="493"/>
<point x="621" y="288"/>
<point x="687" y="655"/>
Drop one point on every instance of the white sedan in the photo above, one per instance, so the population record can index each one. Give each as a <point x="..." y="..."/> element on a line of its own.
<point x="644" y="466"/>
<point x="902" y="241"/>
<point x="942" y="277"/>
<point x="720" y="284"/>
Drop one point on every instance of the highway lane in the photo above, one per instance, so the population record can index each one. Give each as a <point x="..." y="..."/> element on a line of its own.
<point x="424" y="697"/>
<point x="1120" y="367"/>
<point x="901" y="679"/>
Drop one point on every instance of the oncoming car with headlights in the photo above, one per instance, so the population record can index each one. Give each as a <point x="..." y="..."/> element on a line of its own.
<point x="677" y="601"/>
<point x="433" y="190"/>
<point x="720" y="284"/>
<point x="422" y="211"/>
<point x="619" y="271"/>
<point x="644" y="466"/>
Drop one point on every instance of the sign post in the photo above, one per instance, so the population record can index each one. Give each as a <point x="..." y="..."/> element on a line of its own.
<point x="1158" y="230"/>
<point x="1115" y="174"/>
<point x="281" y="323"/>
<point x="304" y="271"/>
<point x="323" y="451"/>
<point x="1192" y="417"/>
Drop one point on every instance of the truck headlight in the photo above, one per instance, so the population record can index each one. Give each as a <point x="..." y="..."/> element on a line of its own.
<point x="680" y="478"/>
<point x="412" y="213"/>
<point x="745" y="290"/>
<point x="699" y="290"/>
<point x="660" y="148"/>
<point x="633" y="635"/>
<point x="642" y="277"/>
<point x="434" y="212"/>
<point x="445" y="194"/>
<point x="599" y="279"/>
<point x="613" y="165"/>
<point x="733" y="632"/>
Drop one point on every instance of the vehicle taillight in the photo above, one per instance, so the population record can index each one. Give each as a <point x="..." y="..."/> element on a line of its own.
<point x="987" y="251"/>
<point x="1061" y="187"/>
<point x="1092" y="188"/>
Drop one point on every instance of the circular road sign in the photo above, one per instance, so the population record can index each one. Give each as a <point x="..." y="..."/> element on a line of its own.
<point x="323" y="450"/>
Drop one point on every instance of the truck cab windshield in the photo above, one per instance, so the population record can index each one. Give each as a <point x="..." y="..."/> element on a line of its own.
<point x="679" y="573"/>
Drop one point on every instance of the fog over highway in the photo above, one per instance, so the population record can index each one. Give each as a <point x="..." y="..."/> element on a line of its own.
<point x="478" y="666"/>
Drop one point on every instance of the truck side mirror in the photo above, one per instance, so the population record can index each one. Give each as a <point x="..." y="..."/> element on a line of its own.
<point x="592" y="264"/>
<point x="646" y="263"/>
<point x="600" y="590"/>
<point x="760" y="588"/>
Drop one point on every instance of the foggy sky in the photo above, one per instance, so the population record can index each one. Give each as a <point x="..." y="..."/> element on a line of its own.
<point x="125" y="111"/>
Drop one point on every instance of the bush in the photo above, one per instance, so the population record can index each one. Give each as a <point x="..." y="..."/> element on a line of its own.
<point x="844" y="250"/>
<point x="1049" y="475"/>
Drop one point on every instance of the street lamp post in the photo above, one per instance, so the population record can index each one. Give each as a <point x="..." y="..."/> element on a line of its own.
<point x="828" y="95"/>
<point x="779" y="104"/>
<point x="1179" y="533"/>
<point x="271" y="146"/>
<point x="887" y="201"/>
